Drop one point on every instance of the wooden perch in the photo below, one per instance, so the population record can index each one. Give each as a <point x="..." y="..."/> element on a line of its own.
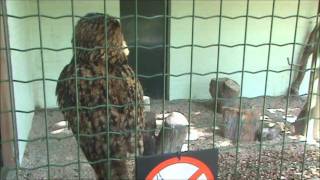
<point x="173" y="134"/>
<point x="314" y="106"/>
<point x="249" y="124"/>
<point x="228" y="91"/>
<point x="308" y="50"/>
<point x="312" y="103"/>
<point x="316" y="114"/>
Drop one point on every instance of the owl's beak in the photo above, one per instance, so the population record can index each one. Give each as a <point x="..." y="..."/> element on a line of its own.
<point x="125" y="48"/>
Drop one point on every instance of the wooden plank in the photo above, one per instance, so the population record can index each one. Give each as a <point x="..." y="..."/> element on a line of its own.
<point x="6" y="126"/>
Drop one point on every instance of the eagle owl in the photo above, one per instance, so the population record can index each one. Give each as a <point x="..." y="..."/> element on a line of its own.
<point x="105" y="114"/>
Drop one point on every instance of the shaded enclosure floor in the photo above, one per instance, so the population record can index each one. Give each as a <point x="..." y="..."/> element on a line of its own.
<point x="64" y="153"/>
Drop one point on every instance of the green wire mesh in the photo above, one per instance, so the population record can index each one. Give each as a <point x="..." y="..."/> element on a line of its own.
<point x="166" y="45"/>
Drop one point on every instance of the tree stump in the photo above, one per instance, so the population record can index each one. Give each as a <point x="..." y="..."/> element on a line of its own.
<point x="228" y="91"/>
<point x="249" y="124"/>
<point x="173" y="134"/>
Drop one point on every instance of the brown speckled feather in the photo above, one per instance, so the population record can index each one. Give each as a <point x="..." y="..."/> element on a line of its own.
<point x="92" y="93"/>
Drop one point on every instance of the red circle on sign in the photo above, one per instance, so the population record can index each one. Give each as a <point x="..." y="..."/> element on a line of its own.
<point x="203" y="168"/>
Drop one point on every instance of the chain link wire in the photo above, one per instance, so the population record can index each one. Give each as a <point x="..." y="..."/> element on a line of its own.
<point x="166" y="45"/>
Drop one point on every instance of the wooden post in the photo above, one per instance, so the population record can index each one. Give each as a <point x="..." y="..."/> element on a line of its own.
<point x="173" y="134"/>
<point x="6" y="119"/>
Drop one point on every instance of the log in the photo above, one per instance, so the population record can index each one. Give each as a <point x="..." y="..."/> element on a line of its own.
<point x="316" y="110"/>
<point x="300" y="125"/>
<point x="316" y="115"/>
<point x="170" y="138"/>
<point x="307" y="51"/>
<point x="173" y="134"/>
<point x="228" y="91"/>
<point x="249" y="124"/>
<point x="312" y="103"/>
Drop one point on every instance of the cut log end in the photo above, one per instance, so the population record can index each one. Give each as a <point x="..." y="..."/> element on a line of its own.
<point x="231" y="89"/>
<point x="225" y="91"/>
<point x="249" y="125"/>
<point x="173" y="134"/>
<point x="170" y="138"/>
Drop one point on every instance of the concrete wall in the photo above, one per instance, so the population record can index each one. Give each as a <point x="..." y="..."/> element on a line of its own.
<point x="56" y="34"/>
<point x="232" y="32"/>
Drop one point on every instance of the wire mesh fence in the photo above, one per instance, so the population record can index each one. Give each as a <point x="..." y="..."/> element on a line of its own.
<point x="281" y="157"/>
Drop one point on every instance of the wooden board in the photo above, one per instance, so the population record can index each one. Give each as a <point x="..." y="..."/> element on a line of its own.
<point x="6" y="126"/>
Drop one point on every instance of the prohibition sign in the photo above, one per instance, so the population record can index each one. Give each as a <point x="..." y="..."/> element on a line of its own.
<point x="197" y="169"/>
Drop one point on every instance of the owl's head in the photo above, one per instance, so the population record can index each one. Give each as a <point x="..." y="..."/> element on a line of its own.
<point x="90" y="33"/>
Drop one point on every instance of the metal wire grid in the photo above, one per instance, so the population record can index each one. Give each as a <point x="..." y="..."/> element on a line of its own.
<point x="166" y="17"/>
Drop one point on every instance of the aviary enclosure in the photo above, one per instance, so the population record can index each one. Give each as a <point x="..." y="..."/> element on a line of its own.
<point x="240" y="76"/>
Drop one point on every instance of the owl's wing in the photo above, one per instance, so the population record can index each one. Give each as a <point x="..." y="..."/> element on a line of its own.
<point x="66" y="87"/>
<point x="125" y="92"/>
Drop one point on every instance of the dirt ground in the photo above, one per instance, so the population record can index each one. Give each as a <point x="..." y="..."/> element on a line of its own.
<point x="63" y="153"/>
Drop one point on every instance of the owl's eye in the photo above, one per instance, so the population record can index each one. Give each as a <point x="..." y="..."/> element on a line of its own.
<point x="125" y="48"/>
